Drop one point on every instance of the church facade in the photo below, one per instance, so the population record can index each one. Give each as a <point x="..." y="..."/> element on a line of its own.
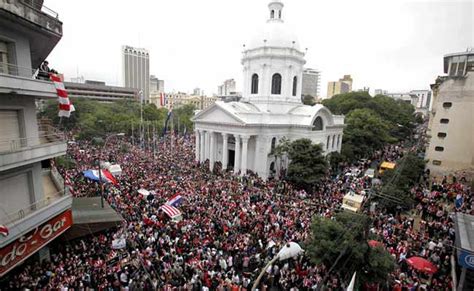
<point x="241" y="135"/>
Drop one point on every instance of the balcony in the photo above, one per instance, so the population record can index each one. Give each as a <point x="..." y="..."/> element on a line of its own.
<point x="49" y="143"/>
<point x="55" y="201"/>
<point x="15" y="80"/>
<point x="39" y="24"/>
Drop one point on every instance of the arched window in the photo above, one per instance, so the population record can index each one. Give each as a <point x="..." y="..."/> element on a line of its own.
<point x="254" y="89"/>
<point x="279" y="14"/>
<point x="333" y="140"/>
<point x="272" y="14"/>
<point x="274" y="140"/>
<point x="295" y="82"/>
<point x="318" y="123"/>
<point x="276" y="84"/>
<point x="329" y="140"/>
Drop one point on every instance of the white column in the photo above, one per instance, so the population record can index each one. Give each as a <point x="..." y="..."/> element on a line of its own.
<point x="202" y="157"/>
<point x="225" y="151"/>
<point x="212" y="150"/>
<point x="197" y="149"/>
<point x="237" y="154"/>
<point x="207" y="145"/>
<point x="245" y="143"/>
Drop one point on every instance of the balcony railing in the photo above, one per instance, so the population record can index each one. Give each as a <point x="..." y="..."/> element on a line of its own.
<point x="40" y="7"/>
<point x="49" y="136"/>
<point x="38" y="205"/>
<point x="14" y="70"/>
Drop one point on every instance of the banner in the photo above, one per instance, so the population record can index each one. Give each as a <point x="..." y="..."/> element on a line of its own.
<point x="19" y="250"/>
<point x="119" y="243"/>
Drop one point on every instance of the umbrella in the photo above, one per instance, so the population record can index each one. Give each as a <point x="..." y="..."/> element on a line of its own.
<point x="290" y="250"/>
<point x="422" y="265"/>
<point x="374" y="243"/>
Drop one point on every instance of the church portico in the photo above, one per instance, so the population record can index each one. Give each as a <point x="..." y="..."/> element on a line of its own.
<point x="241" y="135"/>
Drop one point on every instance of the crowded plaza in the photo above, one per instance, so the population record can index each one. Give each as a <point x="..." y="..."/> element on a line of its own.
<point x="232" y="226"/>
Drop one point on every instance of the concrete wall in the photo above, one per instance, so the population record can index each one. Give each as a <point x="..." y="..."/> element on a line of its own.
<point x="21" y="50"/>
<point x="27" y="116"/>
<point x="458" y="153"/>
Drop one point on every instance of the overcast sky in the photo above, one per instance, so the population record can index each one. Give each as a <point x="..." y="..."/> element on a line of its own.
<point x="395" y="45"/>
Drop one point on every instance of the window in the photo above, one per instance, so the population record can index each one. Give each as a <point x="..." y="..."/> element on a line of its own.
<point x="470" y="64"/>
<point x="295" y="82"/>
<point x="254" y="89"/>
<point x="436" y="162"/>
<point x="318" y="123"/>
<point x="327" y="143"/>
<point x="276" y="84"/>
<point x="272" y="14"/>
<point x="279" y="14"/>
<point x="461" y="66"/>
<point x="333" y="140"/>
<point x="444" y="120"/>
<point x="439" y="149"/>
<point x="273" y="144"/>
<point x="338" y="140"/>
<point x="3" y="57"/>
<point x="447" y="104"/>
<point x="442" y="134"/>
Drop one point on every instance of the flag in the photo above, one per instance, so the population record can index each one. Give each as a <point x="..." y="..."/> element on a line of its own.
<point x="175" y="200"/>
<point x="119" y="243"/>
<point x="170" y="112"/>
<point x="171" y="211"/>
<point x="162" y="99"/>
<point x="107" y="177"/>
<point x="65" y="105"/>
<point x="459" y="201"/>
<point x="352" y="283"/>
<point x="4" y="230"/>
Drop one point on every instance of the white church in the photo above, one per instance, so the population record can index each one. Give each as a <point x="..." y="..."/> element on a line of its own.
<point x="241" y="135"/>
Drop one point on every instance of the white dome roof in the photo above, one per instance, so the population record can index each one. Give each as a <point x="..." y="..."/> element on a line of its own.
<point x="276" y="34"/>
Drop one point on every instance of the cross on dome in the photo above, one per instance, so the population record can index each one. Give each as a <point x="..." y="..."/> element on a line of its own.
<point x="275" y="7"/>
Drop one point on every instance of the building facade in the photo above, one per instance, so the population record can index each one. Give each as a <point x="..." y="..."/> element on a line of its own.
<point x="176" y="100"/>
<point x="241" y="135"/>
<point x="136" y="70"/>
<point x="405" y="97"/>
<point x="344" y="85"/>
<point x="156" y="85"/>
<point x="32" y="196"/>
<point x="227" y="88"/>
<point x="99" y="91"/>
<point x="311" y="82"/>
<point x="451" y="125"/>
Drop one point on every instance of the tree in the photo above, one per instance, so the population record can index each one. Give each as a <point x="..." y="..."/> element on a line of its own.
<point x="308" y="100"/>
<point x="307" y="163"/>
<point x="342" y="243"/>
<point x="365" y="132"/>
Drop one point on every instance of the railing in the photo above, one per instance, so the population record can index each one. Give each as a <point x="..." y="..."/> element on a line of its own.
<point x="40" y="7"/>
<point x="14" y="70"/>
<point x="22" y="213"/>
<point x="18" y="144"/>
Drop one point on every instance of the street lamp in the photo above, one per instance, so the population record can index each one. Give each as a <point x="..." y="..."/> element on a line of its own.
<point x="100" y="170"/>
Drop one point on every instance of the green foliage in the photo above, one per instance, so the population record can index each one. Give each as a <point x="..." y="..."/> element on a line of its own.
<point x="365" y="132"/>
<point x="307" y="163"/>
<point x="65" y="162"/>
<point x="308" y="100"/>
<point x="335" y="160"/>
<point x="97" y="119"/>
<point x="343" y="242"/>
<point x="398" y="182"/>
<point x="392" y="118"/>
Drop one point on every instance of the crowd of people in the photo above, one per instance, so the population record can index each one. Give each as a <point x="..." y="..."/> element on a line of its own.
<point x="231" y="227"/>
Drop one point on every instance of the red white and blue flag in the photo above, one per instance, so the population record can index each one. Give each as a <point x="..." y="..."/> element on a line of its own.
<point x="171" y="211"/>
<point x="175" y="200"/>
<point x="4" y="230"/>
<point x="106" y="176"/>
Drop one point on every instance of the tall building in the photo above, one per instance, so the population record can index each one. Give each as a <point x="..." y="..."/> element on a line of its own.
<point x="136" y="70"/>
<point x="311" y="82"/>
<point x="344" y="85"/>
<point x="156" y="85"/>
<point x="198" y="92"/>
<point x="34" y="204"/>
<point x="451" y="127"/>
<point x="424" y="98"/>
<point x="227" y="88"/>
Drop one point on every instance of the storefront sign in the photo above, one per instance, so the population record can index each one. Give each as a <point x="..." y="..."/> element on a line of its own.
<point x="25" y="246"/>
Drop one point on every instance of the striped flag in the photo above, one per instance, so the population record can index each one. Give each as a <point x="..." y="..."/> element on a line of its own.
<point x="65" y="105"/>
<point x="162" y="99"/>
<point x="68" y="183"/>
<point x="4" y="230"/>
<point x="171" y="211"/>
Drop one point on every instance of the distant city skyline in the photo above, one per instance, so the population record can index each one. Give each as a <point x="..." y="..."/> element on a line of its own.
<point x="393" y="45"/>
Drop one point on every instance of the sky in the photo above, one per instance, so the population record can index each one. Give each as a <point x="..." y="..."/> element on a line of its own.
<point x="395" y="45"/>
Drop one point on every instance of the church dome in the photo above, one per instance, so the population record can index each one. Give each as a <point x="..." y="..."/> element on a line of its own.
<point x="274" y="34"/>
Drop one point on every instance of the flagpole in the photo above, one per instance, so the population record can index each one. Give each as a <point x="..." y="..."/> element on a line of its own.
<point x="141" y="118"/>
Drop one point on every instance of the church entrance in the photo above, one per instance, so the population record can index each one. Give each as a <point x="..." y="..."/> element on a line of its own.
<point x="231" y="159"/>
